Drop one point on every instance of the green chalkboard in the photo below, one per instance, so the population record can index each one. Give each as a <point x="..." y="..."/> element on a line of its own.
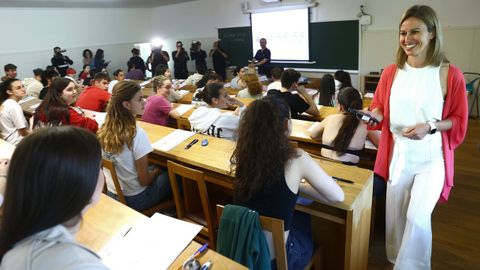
<point x="237" y="42"/>
<point x="333" y="45"/>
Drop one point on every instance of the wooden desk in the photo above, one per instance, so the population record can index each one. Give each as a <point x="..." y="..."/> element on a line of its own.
<point x="187" y="99"/>
<point x="102" y="222"/>
<point x="342" y="228"/>
<point x="30" y="106"/>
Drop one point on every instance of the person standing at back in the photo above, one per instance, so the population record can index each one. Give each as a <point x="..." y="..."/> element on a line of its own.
<point x="157" y="57"/>
<point x="199" y="55"/>
<point x="137" y="60"/>
<point x="180" y="58"/>
<point x="219" y="59"/>
<point x="421" y="105"/>
<point x="60" y="62"/>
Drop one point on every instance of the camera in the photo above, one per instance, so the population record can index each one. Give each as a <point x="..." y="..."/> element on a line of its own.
<point x="62" y="51"/>
<point x="194" y="46"/>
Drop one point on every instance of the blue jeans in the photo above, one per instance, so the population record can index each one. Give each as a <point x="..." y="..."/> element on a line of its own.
<point x="299" y="244"/>
<point x="156" y="192"/>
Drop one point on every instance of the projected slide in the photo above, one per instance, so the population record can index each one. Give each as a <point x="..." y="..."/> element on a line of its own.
<point x="286" y="32"/>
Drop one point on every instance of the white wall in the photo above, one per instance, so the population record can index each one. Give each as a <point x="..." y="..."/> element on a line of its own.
<point x="30" y="34"/>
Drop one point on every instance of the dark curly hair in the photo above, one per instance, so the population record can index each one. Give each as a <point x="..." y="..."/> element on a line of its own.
<point x="259" y="158"/>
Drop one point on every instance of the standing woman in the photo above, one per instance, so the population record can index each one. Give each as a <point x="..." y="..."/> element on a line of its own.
<point x="421" y="104"/>
<point x="127" y="146"/>
<point x="268" y="174"/>
<point x="56" y="109"/>
<point x="87" y="57"/>
<point x="99" y="62"/>
<point x="13" y="126"/>
<point x="53" y="178"/>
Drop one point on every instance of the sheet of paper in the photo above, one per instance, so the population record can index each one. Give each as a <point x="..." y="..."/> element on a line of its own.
<point x="34" y="106"/>
<point x="368" y="95"/>
<point x="171" y="140"/>
<point x="227" y="85"/>
<point x="152" y="244"/>
<point x="183" y="108"/>
<point x="25" y="99"/>
<point x="6" y="149"/>
<point x="183" y="92"/>
<point x="370" y="145"/>
<point x="100" y="118"/>
<point x="145" y="83"/>
<point x="319" y="107"/>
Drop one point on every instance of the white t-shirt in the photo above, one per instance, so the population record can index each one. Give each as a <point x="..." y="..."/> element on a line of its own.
<point x="111" y="85"/>
<point x="276" y="85"/>
<point x="124" y="163"/>
<point x="11" y="120"/>
<point x="214" y="122"/>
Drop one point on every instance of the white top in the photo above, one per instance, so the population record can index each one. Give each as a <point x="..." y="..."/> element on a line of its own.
<point x="32" y="87"/>
<point x="111" y="85"/>
<point x="245" y="94"/>
<point x="214" y="122"/>
<point x="416" y="97"/>
<point x="124" y="163"/>
<point x="53" y="248"/>
<point x="234" y="82"/>
<point x="193" y="79"/>
<point x="11" y="120"/>
<point x="276" y="85"/>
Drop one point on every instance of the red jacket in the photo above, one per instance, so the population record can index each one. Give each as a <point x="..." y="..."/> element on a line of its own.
<point x="455" y="108"/>
<point x="94" y="99"/>
<point x="76" y="119"/>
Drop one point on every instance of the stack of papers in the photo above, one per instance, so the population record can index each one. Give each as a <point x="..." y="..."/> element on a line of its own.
<point x="183" y="108"/>
<point x="171" y="140"/>
<point x="151" y="244"/>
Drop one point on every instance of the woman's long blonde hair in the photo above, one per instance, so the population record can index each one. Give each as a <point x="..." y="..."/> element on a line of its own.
<point x="120" y="124"/>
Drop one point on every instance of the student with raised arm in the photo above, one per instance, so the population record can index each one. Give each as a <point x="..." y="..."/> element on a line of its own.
<point x="300" y="102"/>
<point x="158" y="109"/>
<point x="57" y="108"/>
<point x="210" y="119"/>
<point x="13" y="126"/>
<point x="343" y="135"/>
<point x="269" y="173"/>
<point x="127" y="146"/>
<point x="54" y="176"/>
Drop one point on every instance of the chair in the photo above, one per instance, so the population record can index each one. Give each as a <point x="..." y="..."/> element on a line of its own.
<point x="276" y="227"/>
<point x="162" y="206"/>
<point x="472" y="80"/>
<point x="188" y="208"/>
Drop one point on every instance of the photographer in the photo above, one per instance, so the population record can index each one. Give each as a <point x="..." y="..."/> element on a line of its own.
<point x="60" y="61"/>
<point x="219" y="59"/>
<point x="199" y="55"/>
<point x="157" y="57"/>
<point x="180" y="58"/>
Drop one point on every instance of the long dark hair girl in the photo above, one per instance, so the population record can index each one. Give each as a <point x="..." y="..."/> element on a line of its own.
<point x="259" y="160"/>
<point x="348" y="97"/>
<point x="53" y="107"/>
<point x="52" y="176"/>
<point x="327" y="90"/>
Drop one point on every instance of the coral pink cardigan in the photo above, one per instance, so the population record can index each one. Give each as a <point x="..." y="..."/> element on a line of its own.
<point x="455" y="108"/>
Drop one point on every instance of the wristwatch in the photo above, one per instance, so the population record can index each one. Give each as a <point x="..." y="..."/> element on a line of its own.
<point x="433" y="128"/>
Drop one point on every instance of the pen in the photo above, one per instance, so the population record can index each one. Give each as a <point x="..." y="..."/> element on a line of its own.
<point x="343" y="180"/>
<point x="200" y="250"/>
<point x="191" y="143"/>
<point x="206" y="265"/>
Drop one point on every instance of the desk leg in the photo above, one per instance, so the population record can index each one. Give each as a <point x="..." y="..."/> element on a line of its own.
<point x="357" y="231"/>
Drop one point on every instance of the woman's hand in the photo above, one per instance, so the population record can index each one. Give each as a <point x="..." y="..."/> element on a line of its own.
<point x="375" y="114"/>
<point x="416" y="132"/>
<point x="234" y="101"/>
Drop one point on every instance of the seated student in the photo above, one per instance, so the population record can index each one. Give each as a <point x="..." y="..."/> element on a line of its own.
<point x="343" y="135"/>
<point x="47" y="77"/>
<point x="71" y="73"/>
<point x="209" y="77"/>
<point x="158" y="108"/>
<point x="326" y="94"/>
<point x="210" y="119"/>
<point x="56" y="109"/>
<point x="194" y="78"/>
<point x="34" y="85"/>
<point x="85" y="75"/>
<point x="127" y="146"/>
<point x="254" y="87"/>
<point x="163" y="70"/>
<point x="96" y="97"/>
<point x="298" y="103"/>
<point x="10" y="72"/>
<point x="134" y="73"/>
<point x="342" y="79"/>
<point x="54" y="177"/>
<point x="118" y="76"/>
<point x="13" y="126"/>
<point x="238" y="72"/>
<point x="268" y="174"/>
<point x="276" y="74"/>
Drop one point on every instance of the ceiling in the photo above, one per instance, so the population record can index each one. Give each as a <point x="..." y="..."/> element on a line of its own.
<point x="89" y="3"/>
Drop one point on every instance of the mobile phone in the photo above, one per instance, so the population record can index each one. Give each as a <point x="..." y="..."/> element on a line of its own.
<point x="363" y="116"/>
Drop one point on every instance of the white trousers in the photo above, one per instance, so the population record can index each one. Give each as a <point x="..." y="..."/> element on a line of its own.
<point x="411" y="197"/>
